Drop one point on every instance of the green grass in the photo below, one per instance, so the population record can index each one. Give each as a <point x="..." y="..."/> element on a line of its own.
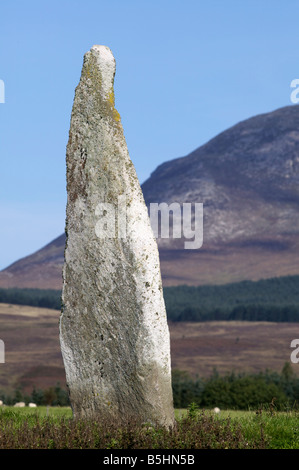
<point x="18" y="416"/>
<point x="41" y="411"/>
<point x="279" y="430"/>
<point x="262" y="428"/>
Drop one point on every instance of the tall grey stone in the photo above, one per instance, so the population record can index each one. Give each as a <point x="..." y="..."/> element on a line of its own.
<point x="113" y="327"/>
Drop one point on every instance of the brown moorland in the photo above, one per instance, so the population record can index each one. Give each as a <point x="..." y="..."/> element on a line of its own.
<point x="33" y="357"/>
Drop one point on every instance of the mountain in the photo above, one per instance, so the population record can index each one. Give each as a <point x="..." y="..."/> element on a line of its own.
<point x="247" y="179"/>
<point x="42" y="269"/>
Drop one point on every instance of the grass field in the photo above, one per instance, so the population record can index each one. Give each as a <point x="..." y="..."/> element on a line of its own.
<point x="278" y="430"/>
<point x="46" y="427"/>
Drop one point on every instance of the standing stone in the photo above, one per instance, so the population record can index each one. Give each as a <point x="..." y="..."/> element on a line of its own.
<point x="113" y="327"/>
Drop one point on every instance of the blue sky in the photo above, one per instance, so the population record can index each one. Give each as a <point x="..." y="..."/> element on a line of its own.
<point x="185" y="71"/>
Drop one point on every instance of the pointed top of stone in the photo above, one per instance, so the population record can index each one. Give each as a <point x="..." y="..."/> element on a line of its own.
<point x="105" y="62"/>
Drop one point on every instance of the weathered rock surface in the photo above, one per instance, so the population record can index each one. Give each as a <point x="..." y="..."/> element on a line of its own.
<point x="113" y="328"/>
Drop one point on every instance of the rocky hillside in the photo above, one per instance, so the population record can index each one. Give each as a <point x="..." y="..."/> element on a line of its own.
<point x="42" y="269"/>
<point x="247" y="179"/>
